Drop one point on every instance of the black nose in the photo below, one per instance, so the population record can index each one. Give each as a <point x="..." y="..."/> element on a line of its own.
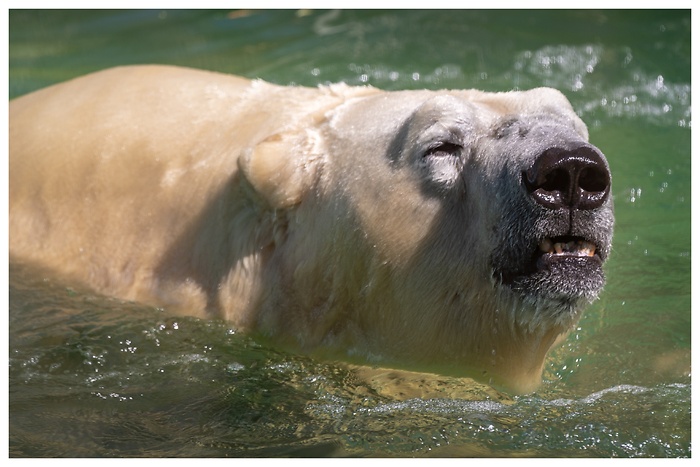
<point x="563" y="178"/>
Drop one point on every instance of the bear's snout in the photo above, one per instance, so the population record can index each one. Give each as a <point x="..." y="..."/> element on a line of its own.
<point x="558" y="229"/>
<point x="576" y="178"/>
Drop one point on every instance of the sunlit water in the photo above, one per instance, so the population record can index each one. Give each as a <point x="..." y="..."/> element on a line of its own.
<point x="94" y="376"/>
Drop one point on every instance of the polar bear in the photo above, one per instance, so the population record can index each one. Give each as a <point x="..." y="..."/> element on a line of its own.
<point x="458" y="231"/>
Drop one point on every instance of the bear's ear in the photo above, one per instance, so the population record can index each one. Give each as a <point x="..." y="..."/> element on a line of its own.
<point x="279" y="170"/>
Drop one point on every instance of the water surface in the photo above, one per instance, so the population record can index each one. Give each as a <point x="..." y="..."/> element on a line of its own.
<point x="95" y="376"/>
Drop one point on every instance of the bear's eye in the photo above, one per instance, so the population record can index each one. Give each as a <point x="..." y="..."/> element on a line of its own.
<point x="443" y="149"/>
<point x="442" y="165"/>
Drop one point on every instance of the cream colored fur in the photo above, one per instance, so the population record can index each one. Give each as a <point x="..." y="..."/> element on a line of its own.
<point x="276" y="208"/>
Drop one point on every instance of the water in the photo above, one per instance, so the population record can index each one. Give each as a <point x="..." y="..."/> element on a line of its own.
<point x="95" y="376"/>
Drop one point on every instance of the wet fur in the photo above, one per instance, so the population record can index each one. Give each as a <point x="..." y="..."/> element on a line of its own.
<point x="311" y="215"/>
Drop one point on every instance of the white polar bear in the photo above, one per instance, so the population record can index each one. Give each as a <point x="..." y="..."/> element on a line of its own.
<point x="459" y="232"/>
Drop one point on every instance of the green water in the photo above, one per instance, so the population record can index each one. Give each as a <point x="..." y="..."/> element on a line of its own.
<point x="93" y="376"/>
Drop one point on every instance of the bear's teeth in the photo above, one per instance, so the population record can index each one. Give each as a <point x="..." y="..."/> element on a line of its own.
<point x="546" y="246"/>
<point x="572" y="247"/>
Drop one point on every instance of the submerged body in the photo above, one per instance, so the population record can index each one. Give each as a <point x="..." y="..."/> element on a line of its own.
<point x="457" y="231"/>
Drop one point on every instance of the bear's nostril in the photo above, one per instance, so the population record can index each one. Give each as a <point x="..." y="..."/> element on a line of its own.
<point x="562" y="178"/>
<point x="556" y="180"/>
<point x="593" y="180"/>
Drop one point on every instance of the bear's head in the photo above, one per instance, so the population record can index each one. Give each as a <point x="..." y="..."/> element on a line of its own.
<point x="454" y="231"/>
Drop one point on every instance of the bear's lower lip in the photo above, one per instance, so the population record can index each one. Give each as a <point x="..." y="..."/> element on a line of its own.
<point x="550" y="261"/>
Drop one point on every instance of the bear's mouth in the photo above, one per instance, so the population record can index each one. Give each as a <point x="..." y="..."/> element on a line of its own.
<point x="559" y="259"/>
<point x="562" y="269"/>
<point x="554" y="249"/>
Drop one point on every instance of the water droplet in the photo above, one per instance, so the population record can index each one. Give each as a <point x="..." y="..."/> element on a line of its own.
<point x="659" y="82"/>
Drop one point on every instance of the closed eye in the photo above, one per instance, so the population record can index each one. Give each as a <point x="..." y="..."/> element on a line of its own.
<point x="443" y="149"/>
